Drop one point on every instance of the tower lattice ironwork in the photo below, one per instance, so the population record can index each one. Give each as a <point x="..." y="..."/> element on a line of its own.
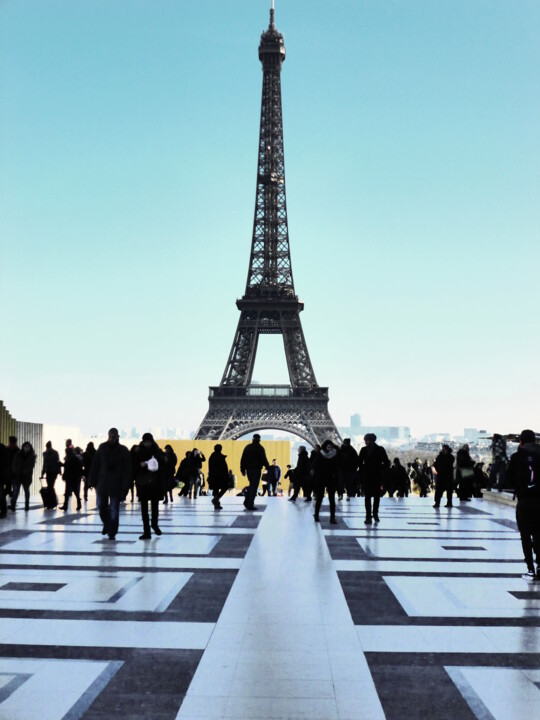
<point x="270" y="304"/>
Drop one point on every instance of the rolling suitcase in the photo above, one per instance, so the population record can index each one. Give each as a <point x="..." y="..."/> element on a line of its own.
<point x="48" y="495"/>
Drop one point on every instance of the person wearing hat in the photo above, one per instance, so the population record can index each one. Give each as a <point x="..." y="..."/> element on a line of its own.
<point x="524" y="475"/>
<point x="148" y="468"/>
<point x="251" y="463"/>
<point x="373" y="464"/>
<point x="218" y="476"/>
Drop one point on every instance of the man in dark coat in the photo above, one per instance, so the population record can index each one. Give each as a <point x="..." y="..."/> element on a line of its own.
<point x="110" y="474"/>
<point x="444" y="465"/>
<point x="524" y="475"/>
<point x="373" y="463"/>
<point x="51" y="465"/>
<point x="218" y="476"/>
<point x="251" y="463"/>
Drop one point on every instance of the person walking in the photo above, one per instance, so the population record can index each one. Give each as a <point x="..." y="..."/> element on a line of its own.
<point x="301" y="473"/>
<point x="373" y="464"/>
<point x="110" y="474"/>
<point x="51" y="465"/>
<point x="444" y="481"/>
<point x="73" y="470"/>
<point x="23" y="467"/>
<point x="88" y="457"/>
<point x="218" y="476"/>
<point x="524" y="475"/>
<point x="169" y="468"/>
<point x="325" y="477"/>
<point x="251" y="463"/>
<point x="149" y="462"/>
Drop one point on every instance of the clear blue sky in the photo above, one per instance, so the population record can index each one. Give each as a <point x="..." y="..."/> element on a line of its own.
<point x="129" y="136"/>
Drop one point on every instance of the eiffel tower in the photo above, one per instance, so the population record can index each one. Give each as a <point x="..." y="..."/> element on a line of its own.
<point x="270" y="305"/>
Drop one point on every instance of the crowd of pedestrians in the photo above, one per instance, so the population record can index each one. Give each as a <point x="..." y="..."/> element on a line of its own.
<point x="328" y="470"/>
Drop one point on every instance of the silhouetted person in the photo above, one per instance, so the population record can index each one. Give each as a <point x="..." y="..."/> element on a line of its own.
<point x="73" y="470"/>
<point x="51" y="465"/>
<point x="218" y="476"/>
<point x="110" y="474"/>
<point x="23" y="467"/>
<point x="251" y="463"/>
<point x="169" y="470"/>
<point x="325" y="477"/>
<point x="348" y="470"/>
<point x="399" y="480"/>
<point x="301" y="473"/>
<point x="373" y="463"/>
<point x="444" y="482"/>
<point x="182" y="474"/>
<point x="88" y="457"/>
<point x="524" y="475"/>
<point x="148" y="465"/>
<point x="464" y="473"/>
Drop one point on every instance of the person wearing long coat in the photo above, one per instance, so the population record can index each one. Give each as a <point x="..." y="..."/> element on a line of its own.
<point x="373" y="463"/>
<point x="23" y="467"/>
<point x="300" y="473"/>
<point x="464" y="473"/>
<point x="169" y="468"/>
<point x="325" y="477"/>
<point x="51" y="465"/>
<point x="218" y="476"/>
<point x="73" y="470"/>
<point x="110" y="474"/>
<point x="444" y="482"/>
<point x="148" y="468"/>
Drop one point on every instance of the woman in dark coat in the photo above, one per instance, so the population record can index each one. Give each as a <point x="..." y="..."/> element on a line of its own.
<point x="218" y="476"/>
<point x="23" y="467"/>
<point x="148" y="469"/>
<point x="73" y="470"/>
<point x="169" y="469"/>
<point x="325" y="477"/>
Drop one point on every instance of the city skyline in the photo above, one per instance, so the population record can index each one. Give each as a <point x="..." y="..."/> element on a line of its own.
<point x="129" y="160"/>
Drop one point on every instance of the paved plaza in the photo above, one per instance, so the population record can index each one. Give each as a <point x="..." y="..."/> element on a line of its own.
<point x="269" y="615"/>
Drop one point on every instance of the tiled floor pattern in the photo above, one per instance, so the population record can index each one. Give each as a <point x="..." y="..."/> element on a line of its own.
<point x="269" y="615"/>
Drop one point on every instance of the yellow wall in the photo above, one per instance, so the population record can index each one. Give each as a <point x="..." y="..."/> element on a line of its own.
<point x="278" y="449"/>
